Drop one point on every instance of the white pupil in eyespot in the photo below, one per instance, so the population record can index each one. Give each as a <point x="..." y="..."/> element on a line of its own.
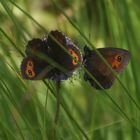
<point x="119" y="58"/>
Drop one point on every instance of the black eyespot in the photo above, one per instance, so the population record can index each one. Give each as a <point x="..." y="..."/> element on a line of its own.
<point x="30" y="72"/>
<point x="119" y="58"/>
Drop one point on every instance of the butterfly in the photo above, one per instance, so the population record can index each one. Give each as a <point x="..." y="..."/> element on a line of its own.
<point x="57" y="47"/>
<point x="117" y="58"/>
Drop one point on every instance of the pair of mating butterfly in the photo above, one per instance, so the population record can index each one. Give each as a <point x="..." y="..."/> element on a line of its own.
<point x="58" y="49"/>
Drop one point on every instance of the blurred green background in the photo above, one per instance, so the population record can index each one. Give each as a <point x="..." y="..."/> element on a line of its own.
<point x="28" y="108"/>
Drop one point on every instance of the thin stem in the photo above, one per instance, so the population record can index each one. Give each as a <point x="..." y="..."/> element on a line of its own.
<point x="45" y="108"/>
<point x="57" y="108"/>
<point x="58" y="102"/>
<point x="64" y="106"/>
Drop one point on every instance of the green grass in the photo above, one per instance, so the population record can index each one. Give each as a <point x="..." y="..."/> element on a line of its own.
<point x="28" y="108"/>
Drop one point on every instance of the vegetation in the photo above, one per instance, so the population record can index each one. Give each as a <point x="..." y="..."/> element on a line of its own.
<point x="28" y="108"/>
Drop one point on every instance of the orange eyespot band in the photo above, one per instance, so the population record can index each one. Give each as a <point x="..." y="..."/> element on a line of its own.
<point x="116" y="62"/>
<point x="75" y="56"/>
<point x="30" y="69"/>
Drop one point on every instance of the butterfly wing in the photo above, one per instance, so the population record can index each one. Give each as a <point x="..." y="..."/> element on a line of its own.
<point x="117" y="59"/>
<point x="106" y="81"/>
<point x="56" y="40"/>
<point x="59" y="54"/>
<point x="37" y="48"/>
<point x="33" y="69"/>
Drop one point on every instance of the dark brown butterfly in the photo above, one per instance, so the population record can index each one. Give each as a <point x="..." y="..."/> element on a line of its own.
<point x="60" y="53"/>
<point x="34" y="66"/>
<point x="117" y="58"/>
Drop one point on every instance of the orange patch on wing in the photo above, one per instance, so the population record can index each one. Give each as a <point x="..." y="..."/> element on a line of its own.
<point x="115" y="64"/>
<point x="115" y="61"/>
<point x="30" y="69"/>
<point x="75" y="56"/>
